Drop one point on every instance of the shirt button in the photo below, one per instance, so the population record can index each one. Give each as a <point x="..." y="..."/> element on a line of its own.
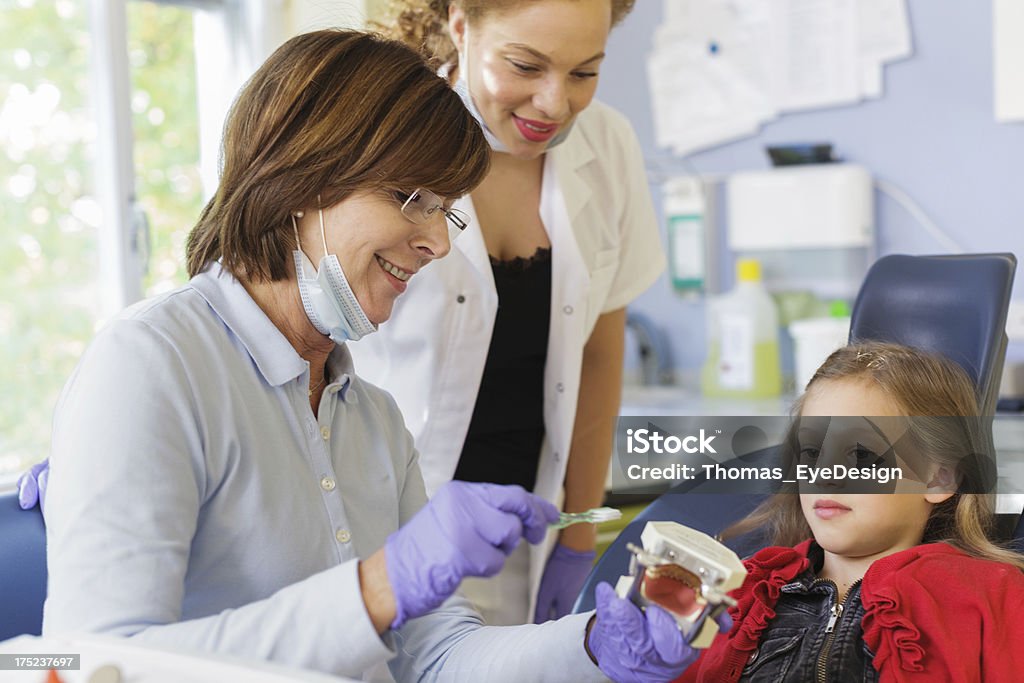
<point x="327" y="484"/>
<point x="558" y="457"/>
<point x="461" y="299"/>
<point x="325" y="432"/>
<point x="343" y="536"/>
<point x="560" y="387"/>
<point x="567" y="310"/>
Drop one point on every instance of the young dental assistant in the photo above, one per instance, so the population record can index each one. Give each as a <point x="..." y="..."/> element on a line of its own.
<point x="223" y="482"/>
<point x="506" y="357"/>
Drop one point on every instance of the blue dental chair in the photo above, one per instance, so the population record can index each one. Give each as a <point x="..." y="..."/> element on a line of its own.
<point x="953" y="305"/>
<point x="22" y="568"/>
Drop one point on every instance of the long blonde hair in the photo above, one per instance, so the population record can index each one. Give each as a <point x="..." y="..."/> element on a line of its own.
<point x="423" y="24"/>
<point x="923" y="385"/>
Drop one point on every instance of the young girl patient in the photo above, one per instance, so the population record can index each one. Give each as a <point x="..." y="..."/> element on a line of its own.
<point x="902" y="586"/>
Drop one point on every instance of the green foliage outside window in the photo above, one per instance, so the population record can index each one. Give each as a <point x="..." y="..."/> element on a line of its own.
<point x="166" y="127"/>
<point x="49" y="239"/>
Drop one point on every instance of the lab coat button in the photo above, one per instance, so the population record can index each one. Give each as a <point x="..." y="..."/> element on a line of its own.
<point x="461" y="299"/>
<point x="567" y="310"/>
<point x="325" y="432"/>
<point x="343" y="536"/>
<point x="560" y="387"/>
<point x="558" y="457"/>
<point x="327" y="484"/>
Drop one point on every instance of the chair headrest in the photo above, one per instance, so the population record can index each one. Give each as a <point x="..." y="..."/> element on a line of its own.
<point x="953" y="305"/>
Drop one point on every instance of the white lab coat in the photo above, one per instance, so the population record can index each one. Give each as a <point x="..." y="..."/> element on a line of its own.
<point x="596" y="208"/>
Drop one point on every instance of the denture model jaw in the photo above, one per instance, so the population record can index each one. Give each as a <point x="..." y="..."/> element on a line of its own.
<point x="685" y="572"/>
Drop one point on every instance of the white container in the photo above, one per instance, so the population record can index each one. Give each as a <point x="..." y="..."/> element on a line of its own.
<point x="813" y="340"/>
<point x="811" y="206"/>
<point x="743" y="340"/>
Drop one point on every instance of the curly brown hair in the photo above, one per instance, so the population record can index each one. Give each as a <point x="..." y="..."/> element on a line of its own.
<point x="423" y="24"/>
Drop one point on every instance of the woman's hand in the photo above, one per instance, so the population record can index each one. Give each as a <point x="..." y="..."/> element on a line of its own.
<point x="563" y="578"/>
<point x="631" y="646"/>
<point x="32" y="485"/>
<point x="465" y="530"/>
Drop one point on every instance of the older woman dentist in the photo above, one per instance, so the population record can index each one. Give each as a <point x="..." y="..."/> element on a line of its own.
<point x="223" y="481"/>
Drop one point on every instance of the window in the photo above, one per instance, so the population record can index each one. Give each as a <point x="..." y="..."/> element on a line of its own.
<point x="75" y="185"/>
<point x="165" y="122"/>
<point x="49" y="242"/>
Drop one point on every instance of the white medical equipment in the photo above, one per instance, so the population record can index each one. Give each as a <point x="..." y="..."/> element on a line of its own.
<point x="685" y="572"/>
<point x="810" y="225"/>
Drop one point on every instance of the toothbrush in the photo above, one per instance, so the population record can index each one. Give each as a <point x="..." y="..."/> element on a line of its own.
<point x="592" y="516"/>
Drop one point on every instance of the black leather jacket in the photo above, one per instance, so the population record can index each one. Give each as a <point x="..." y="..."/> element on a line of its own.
<point x="799" y="647"/>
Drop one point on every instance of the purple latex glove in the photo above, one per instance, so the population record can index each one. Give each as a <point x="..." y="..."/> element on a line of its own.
<point x="465" y="530"/>
<point x="32" y="485"/>
<point x="563" y="578"/>
<point x="633" y="646"/>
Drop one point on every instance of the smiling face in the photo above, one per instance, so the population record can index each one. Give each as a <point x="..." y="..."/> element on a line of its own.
<point x="532" y="69"/>
<point x="860" y="526"/>
<point x="379" y="249"/>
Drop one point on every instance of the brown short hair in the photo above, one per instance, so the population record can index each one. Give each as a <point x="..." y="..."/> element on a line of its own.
<point x="423" y="24"/>
<point x="329" y="113"/>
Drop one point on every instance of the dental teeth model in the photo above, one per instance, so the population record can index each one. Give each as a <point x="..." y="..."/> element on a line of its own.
<point x="685" y="572"/>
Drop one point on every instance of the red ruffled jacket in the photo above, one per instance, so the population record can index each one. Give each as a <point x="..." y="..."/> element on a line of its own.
<point x="932" y="613"/>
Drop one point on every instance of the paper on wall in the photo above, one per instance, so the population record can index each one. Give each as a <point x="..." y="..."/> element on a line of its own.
<point x="817" y="53"/>
<point x="884" y="29"/>
<point x="713" y="108"/>
<point x="872" y="73"/>
<point x="707" y="76"/>
<point x="1008" y="59"/>
<point x="722" y="68"/>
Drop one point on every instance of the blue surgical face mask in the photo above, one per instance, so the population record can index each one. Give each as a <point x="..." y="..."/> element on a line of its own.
<point x="330" y="304"/>
<point x="461" y="88"/>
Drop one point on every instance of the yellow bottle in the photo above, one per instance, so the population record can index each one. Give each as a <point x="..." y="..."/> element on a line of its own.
<point x="743" y="339"/>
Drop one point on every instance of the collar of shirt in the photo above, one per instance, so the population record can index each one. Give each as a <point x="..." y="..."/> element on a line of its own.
<point x="276" y="358"/>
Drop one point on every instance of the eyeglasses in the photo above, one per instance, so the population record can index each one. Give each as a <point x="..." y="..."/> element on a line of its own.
<point x="421" y="205"/>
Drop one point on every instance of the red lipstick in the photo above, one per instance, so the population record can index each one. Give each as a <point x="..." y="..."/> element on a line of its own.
<point x="535" y="131"/>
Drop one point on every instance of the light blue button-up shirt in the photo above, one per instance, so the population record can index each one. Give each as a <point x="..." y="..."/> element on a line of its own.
<point x="196" y="501"/>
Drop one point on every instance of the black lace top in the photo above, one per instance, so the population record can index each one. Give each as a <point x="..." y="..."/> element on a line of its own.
<point x="507" y="428"/>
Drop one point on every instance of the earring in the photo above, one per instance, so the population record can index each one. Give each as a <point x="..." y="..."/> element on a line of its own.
<point x="298" y="214"/>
